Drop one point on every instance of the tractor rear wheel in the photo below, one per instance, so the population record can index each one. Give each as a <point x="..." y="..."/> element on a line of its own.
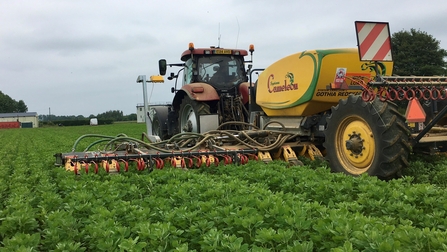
<point x="367" y="137"/>
<point x="159" y="121"/>
<point x="189" y="114"/>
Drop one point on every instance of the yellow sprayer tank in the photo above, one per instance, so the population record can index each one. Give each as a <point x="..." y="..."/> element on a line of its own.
<point x="300" y="84"/>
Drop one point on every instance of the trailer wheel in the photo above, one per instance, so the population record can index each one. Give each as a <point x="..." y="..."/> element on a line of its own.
<point x="189" y="114"/>
<point x="367" y="137"/>
<point x="159" y="121"/>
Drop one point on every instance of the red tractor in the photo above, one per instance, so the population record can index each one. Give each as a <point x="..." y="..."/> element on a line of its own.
<point x="214" y="91"/>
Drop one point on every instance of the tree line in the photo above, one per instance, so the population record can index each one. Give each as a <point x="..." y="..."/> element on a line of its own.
<point x="113" y="115"/>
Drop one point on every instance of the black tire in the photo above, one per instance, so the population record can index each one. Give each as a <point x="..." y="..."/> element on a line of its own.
<point x="189" y="114"/>
<point x="367" y="137"/>
<point x="159" y="121"/>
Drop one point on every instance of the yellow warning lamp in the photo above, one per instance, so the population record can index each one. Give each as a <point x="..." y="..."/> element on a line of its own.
<point x="251" y="48"/>
<point x="191" y="46"/>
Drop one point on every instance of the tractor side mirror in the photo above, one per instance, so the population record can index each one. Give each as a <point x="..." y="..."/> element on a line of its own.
<point x="162" y="66"/>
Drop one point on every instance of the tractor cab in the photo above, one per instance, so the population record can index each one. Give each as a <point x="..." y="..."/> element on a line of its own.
<point x="221" y="68"/>
<point x="220" y="71"/>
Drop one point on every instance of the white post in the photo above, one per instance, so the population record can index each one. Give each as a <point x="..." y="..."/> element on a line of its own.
<point x="147" y="120"/>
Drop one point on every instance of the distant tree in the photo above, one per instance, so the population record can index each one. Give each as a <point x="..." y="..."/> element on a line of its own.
<point x="21" y="106"/>
<point x="6" y="103"/>
<point x="9" y="105"/>
<point x="115" y="115"/>
<point x="417" y="53"/>
<point x="131" y="117"/>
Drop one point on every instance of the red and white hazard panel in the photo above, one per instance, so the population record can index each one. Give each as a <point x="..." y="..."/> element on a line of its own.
<point x="373" y="40"/>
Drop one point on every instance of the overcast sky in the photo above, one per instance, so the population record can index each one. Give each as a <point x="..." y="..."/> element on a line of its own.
<point x="82" y="57"/>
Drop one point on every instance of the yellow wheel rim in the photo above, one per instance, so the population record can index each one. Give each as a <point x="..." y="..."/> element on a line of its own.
<point x="355" y="145"/>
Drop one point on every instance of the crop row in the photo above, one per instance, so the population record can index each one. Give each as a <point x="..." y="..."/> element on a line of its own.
<point x="177" y="210"/>
<point x="398" y="201"/>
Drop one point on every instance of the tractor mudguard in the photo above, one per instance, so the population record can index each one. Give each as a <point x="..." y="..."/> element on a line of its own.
<point x="201" y="92"/>
<point x="196" y="91"/>
<point x="243" y="90"/>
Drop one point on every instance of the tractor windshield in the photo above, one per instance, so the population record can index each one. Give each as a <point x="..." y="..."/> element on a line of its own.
<point x="221" y="71"/>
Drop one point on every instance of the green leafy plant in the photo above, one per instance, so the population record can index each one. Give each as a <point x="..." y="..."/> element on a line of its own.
<point x="255" y="207"/>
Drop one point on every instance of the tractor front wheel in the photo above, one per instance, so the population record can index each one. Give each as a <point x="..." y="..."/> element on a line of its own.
<point x="367" y="137"/>
<point x="189" y="114"/>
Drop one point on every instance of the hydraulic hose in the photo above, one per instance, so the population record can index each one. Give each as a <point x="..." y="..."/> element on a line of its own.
<point x="73" y="149"/>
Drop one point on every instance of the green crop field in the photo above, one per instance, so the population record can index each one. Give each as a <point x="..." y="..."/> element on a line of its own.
<point x="255" y="207"/>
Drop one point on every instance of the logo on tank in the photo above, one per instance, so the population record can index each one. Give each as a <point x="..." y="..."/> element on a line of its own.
<point x="279" y="86"/>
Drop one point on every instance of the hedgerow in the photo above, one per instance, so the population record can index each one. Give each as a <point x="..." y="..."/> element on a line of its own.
<point x="255" y="207"/>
